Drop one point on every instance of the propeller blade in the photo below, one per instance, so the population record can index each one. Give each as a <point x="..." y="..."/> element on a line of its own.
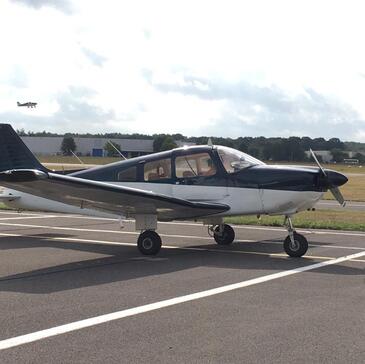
<point x="338" y="196"/>
<point x="318" y="164"/>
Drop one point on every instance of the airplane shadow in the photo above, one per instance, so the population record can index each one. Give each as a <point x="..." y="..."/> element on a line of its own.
<point x="122" y="263"/>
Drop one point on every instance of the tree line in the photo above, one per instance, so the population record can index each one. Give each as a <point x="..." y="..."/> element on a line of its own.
<point x="290" y="149"/>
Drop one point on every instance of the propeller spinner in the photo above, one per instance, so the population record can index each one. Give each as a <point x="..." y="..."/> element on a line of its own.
<point x="332" y="180"/>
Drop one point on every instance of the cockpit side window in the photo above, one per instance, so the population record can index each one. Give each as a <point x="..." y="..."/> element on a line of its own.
<point x="194" y="165"/>
<point x="233" y="160"/>
<point x="157" y="170"/>
<point x="128" y="175"/>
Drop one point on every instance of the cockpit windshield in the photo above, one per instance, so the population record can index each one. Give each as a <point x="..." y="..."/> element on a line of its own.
<point x="233" y="160"/>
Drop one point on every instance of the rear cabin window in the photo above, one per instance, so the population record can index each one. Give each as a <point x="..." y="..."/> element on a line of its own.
<point x="194" y="165"/>
<point x="128" y="175"/>
<point x="157" y="170"/>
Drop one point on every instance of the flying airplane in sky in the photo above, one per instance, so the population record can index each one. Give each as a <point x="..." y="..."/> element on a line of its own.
<point x="27" y="104"/>
<point x="204" y="183"/>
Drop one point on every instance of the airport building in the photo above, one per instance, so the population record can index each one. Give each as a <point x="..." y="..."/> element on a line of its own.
<point x="43" y="146"/>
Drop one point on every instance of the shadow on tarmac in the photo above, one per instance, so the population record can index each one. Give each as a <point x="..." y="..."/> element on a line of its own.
<point x="125" y="263"/>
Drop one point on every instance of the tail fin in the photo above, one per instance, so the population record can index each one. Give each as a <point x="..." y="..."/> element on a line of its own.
<point x="14" y="154"/>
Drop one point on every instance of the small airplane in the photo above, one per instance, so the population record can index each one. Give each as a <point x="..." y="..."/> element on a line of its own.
<point x="27" y="104"/>
<point x="201" y="183"/>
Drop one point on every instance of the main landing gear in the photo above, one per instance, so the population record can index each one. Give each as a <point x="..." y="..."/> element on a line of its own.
<point x="223" y="234"/>
<point x="295" y="245"/>
<point x="149" y="242"/>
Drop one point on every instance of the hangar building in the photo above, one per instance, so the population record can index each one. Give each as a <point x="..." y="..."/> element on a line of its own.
<point x="88" y="146"/>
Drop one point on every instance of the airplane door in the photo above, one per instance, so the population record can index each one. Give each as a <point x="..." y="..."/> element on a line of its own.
<point x="198" y="179"/>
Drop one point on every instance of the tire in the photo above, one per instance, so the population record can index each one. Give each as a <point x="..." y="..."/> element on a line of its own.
<point x="300" y="245"/>
<point x="226" y="237"/>
<point x="149" y="243"/>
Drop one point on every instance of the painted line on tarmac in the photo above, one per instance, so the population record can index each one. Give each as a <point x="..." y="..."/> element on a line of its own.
<point x="97" y="320"/>
<point x="162" y="235"/>
<point x="192" y="248"/>
<point x="28" y="217"/>
<point x="246" y="227"/>
<point x="12" y="212"/>
<point x="104" y="231"/>
<point x="339" y="206"/>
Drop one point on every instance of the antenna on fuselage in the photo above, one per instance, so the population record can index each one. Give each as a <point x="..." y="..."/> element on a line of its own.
<point x="77" y="157"/>
<point x="118" y="151"/>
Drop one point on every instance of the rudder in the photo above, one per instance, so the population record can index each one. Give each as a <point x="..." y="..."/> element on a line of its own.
<point x="14" y="154"/>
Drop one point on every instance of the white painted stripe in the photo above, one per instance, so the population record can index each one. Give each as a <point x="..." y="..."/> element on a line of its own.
<point x="103" y="231"/>
<point x="82" y="324"/>
<point x="246" y="227"/>
<point x="165" y="235"/>
<point x="335" y="203"/>
<point x="188" y="223"/>
<point x="28" y="217"/>
<point x="12" y="212"/>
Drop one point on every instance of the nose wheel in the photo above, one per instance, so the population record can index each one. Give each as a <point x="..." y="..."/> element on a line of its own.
<point x="149" y="242"/>
<point x="295" y="245"/>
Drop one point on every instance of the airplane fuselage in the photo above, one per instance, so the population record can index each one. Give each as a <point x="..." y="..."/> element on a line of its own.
<point x="186" y="173"/>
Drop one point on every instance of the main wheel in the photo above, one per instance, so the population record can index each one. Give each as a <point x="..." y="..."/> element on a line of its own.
<point x="149" y="242"/>
<point x="298" y="248"/>
<point x="224" y="236"/>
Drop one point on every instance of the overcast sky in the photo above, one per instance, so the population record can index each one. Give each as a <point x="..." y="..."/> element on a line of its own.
<point x="219" y="68"/>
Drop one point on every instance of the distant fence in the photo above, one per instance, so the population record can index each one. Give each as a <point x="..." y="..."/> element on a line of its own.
<point x="351" y="161"/>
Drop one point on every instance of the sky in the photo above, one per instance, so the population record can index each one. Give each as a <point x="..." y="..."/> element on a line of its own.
<point x="214" y="68"/>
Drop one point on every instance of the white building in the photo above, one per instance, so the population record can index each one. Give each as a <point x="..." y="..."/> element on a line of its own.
<point x="324" y="154"/>
<point x="88" y="146"/>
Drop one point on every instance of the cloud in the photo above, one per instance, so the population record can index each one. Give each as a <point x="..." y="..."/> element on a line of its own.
<point x="62" y="5"/>
<point x="251" y="110"/>
<point x="94" y="58"/>
<point x="15" y="77"/>
<point x="76" y="113"/>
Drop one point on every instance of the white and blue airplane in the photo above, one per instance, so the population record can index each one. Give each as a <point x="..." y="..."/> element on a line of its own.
<point x="205" y="183"/>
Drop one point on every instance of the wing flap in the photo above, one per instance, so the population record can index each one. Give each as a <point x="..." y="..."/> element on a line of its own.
<point x="105" y="197"/>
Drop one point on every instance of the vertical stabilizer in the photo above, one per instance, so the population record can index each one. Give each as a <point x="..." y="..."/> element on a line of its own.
<point x="14" y="154"/>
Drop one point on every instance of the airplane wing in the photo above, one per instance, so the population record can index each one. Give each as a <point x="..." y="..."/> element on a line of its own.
<point x="105" y="197"/>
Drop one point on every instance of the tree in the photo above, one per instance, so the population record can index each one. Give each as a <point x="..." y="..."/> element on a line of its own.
<point x="360" y="157"/>
<point x="168" y="144"/>
<point x="157" y="143"/>
<point x="338" y="155"/>
<point x="163" y="142"/>
<point x="68" y="145"/>
<point x="110" y="151"/>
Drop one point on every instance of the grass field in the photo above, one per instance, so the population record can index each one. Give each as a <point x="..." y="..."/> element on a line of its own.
<point x="353" y="190"/>
<point x="343" y="168"/>
<point x="72" y="160"/>
<point x="319" y="219"/>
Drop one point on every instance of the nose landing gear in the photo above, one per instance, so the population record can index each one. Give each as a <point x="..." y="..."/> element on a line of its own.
<point x="295" y="245"/>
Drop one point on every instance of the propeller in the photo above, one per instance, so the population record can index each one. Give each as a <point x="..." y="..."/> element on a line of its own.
<point x="332" y="187"/>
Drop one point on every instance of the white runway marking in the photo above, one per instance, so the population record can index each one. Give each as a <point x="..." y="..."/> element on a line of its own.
<point x="78" y="325"/>
<point x="29" y="217"/>
<point x="335" y="203"/>
<point x="103" y="231"/>
<point x="166" y="235"/>
<point x="188" y="223"/>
